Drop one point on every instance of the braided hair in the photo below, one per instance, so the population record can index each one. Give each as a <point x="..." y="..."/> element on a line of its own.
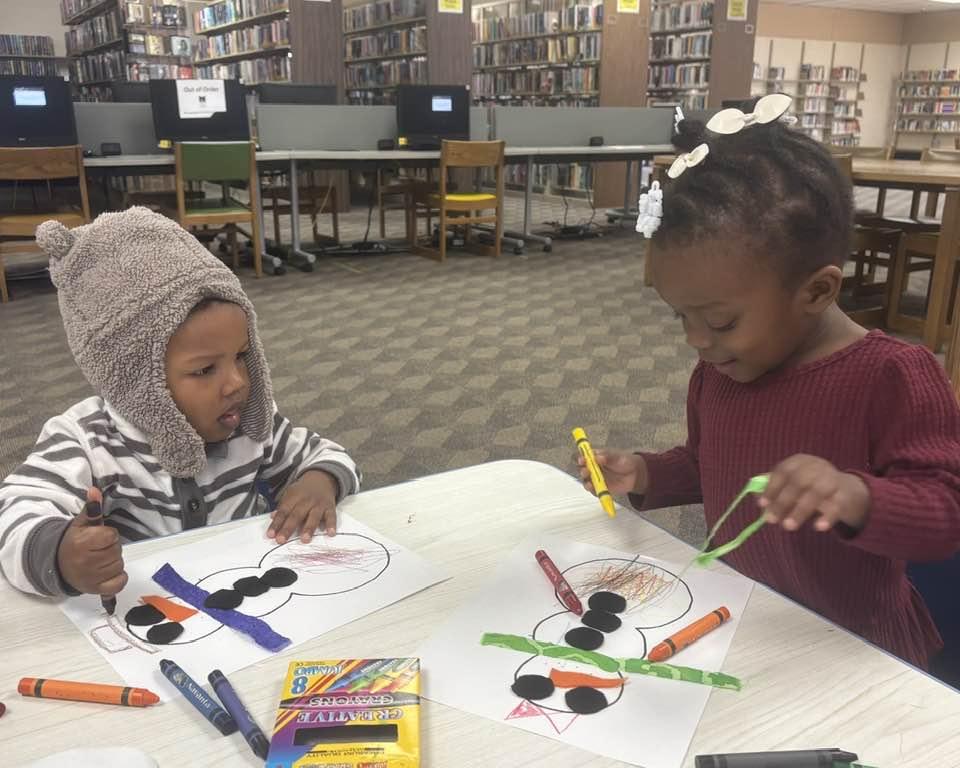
<point x="778" y="188"/>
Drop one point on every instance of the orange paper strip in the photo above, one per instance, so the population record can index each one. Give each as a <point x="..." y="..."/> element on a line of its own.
<point x="563" y="679"/>
<point x="173" y="611"/>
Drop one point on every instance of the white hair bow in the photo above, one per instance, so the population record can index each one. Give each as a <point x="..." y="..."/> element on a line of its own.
<point x="768" y="109"/>
<point x="677" y="118"/>
<point x="650" y="211"/>
<point x="688" y="160"/>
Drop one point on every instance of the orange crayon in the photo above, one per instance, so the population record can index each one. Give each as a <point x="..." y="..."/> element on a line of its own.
<point x="689" y="634"/>
<point x="95" y="692"/>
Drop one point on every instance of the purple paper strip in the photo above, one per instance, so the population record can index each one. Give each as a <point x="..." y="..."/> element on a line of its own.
<point x="260" y="631"/>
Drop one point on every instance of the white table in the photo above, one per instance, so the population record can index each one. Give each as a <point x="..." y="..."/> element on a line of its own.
<point x="806" y="683"/>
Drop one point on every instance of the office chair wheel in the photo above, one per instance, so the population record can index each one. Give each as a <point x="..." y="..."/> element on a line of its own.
<point x="518" y="251"/>
<point x="547" y="248"/>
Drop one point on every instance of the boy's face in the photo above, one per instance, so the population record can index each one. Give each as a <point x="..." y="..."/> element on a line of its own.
<point x="207" y="369"/>
<point x="736" y="312"/>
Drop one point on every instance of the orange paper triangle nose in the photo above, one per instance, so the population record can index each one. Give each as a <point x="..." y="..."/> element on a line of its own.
<point x="173" y="611"/>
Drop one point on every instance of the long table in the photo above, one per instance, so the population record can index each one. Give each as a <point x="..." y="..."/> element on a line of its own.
<point x="363" y="159"/>
<point x="807" y="683"/>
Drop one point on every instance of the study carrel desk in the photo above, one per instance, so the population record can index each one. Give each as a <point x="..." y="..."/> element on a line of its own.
<point x="806" y="682"/>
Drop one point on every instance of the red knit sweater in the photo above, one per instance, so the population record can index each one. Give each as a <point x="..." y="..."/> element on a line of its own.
<point x="880" y="408"/>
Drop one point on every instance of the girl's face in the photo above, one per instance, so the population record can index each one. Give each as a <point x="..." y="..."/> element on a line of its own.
<point x="735" y="309"/>
<point x="207" y="369"/>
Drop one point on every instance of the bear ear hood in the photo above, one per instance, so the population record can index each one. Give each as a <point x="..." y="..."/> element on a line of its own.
<point x="125" y="283"/>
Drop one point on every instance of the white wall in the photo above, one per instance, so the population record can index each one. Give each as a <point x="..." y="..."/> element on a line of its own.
<point x="33" y="17"/>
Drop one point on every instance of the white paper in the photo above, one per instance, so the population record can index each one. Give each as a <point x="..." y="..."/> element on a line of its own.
<point x="340" y="579"/>
<point x="200" y="98"/>
<point x="653" y="720"/>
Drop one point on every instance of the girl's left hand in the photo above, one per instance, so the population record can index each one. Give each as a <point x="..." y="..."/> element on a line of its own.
<point x="306" y="505"/>
<point x="804" y="486"/>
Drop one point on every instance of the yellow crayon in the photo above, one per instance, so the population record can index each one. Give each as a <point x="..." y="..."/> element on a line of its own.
<point x="596" y="476"/>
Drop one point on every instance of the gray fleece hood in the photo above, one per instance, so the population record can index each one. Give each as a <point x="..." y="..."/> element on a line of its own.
<point x="125" y="284"/>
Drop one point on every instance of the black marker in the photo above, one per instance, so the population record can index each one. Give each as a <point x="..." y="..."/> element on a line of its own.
<point x="94" y="512"/>
<point x="801" y="758"/>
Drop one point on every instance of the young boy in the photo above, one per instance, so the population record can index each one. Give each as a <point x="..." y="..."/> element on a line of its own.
<point x="184" y="429"/>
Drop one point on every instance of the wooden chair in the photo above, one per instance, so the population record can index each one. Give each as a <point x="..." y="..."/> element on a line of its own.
<point x="464" y="208"/>
<point x="315" y="199"/>
<point x="930" y="155"/>
<point x="873" y="153"/>
<point x="918" y="252"/>
<point x="953" y="353"/>
<point x="872" y="247"/>
<point x="225" y="162"/>
<point x="39" y="164"/>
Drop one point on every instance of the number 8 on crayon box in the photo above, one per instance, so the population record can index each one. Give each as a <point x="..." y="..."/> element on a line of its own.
<point x="348" y="712"/>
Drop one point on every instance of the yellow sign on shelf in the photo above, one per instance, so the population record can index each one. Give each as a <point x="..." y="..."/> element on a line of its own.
<point x="737" y="10"/>
<point x="450" y="6"/>
<point x="628" y="6"/>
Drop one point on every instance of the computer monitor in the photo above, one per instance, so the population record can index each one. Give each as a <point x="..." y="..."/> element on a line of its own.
<point x="427" y="114"/>
<point x="199" y="110"/>
<point x="36" y="112"/>
<point x="131" y="92"/>
<point x="295" y="93"/>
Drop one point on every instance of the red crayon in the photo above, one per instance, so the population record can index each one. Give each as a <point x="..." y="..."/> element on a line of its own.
<point x="3" y="709"/>
<point x="566" y="594"/>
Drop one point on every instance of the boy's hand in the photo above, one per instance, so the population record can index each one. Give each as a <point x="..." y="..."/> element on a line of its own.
<point x="622" y="472"/>
<point x="306" y="505"/>
<point x="90" y="558"/>
<point x="805" y="486"/>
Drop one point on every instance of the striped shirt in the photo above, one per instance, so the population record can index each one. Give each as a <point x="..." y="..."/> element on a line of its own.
<point x="91" y="444"/>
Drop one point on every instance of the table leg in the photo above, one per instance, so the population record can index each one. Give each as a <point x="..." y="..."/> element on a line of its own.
<point x="518" y="238"/>
<point x="943" y="266"/>
<point x="626" y="194"/>
<point x="298" y="257"/>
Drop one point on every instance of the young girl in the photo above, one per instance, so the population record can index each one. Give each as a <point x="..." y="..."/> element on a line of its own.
<point x="184" y="431"/>
<point x="859" y="432"/>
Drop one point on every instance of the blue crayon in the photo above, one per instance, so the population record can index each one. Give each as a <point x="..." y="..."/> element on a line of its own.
<point x="194" y="693"/>
<point x="248" y="727"/>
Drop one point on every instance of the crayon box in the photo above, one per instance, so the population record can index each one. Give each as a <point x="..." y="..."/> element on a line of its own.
<point x="348" y="713"/>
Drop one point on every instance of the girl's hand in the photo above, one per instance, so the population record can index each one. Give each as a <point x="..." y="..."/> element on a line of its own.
<point x="804" y="486"/>
<point x="622" y="472"/>
<point x="306" y="505"/>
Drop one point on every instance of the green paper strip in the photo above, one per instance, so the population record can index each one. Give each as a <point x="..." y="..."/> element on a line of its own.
<point x="756" y="484"/>
<point x="610" y="664"/>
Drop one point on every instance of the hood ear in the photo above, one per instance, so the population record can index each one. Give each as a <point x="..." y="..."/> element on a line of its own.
<point x="55" y="239"/>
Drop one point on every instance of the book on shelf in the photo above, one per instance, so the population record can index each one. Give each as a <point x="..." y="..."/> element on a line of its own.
<point x="232" y="11"/>
<point x="26" y="45"/>
<point x="929" y="125"/>
<point x="268" y="69"/>
<point x="684" y="15"/>
<point x="687" y="45"/>
<point x="556" y="17"/>
<point x="137" y="43"/>
<point x="546" y="81"/>
<point x="406" y="40"/>
<point x="155" y="45"/>
<point x="920" y="75"/>
<point x="134" y="13"/>
<point x="180" y="46"/>
<point x="253" y="39"/>
<point x="100" y="30"/>
<point x="33" y="67"/>
<point x="386" y="73"/>
<point x="173" y="16"/>
<point x="777" y="73"/>
<point x="380" y="13"/>
<point x="845" y="75"/>
<point x="552" y="50"/>
<point x="812" y="72"/>
<point x="679" y="75"/>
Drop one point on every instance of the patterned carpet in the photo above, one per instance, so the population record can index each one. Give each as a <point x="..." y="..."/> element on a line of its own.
<point x="419" y="367"/>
